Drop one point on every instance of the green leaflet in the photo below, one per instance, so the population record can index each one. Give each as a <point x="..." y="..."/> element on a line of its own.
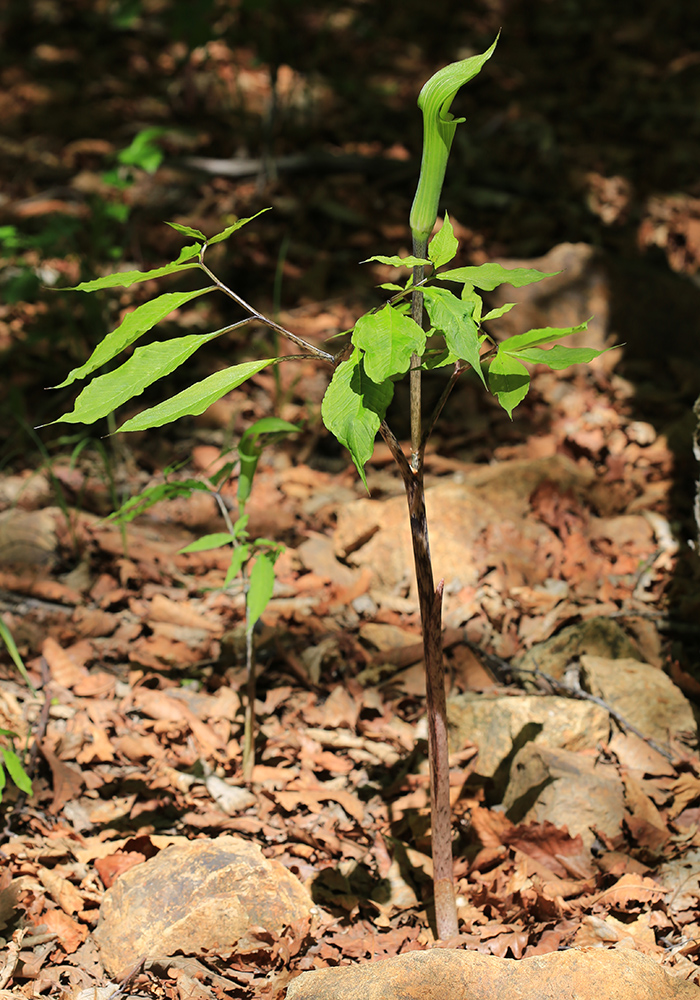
<point x="239" y="555"/>
<point x="234" y="228"/>
<point x="388" y="340"/>
<point x="444" y="244"/>
<point x="11" y="647"/>
<point x="214" y="541"/>
<point x="353" y="408"/>
<point x="196" y="398"/>
<point x="147" y="364"/>
<point x="534" y="338"/>
<point x="509" y="381"/>
<point x="187" y="231"/>
<point x="260" y="586"/>
<point x="125" y="279"/>
<point x="439" y="127"/>
<point x="16" y="771"/>
<point x="490" y="276"/>
<point x="454" y="318"/>
<point x="496" y="313"/>
<point x="136" y="323"/>
<point x="557" y="357"/>
<point x="250" y="449"/>
<point x="134" y="506"/>
<point x="409" y="261"/>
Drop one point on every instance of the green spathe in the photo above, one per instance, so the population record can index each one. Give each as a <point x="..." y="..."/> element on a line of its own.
<point x="439" y="127"/>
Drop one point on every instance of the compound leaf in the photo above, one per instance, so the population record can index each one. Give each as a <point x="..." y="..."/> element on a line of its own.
<point x="16" y="771"/>
<point x="136" y="323"/>
<point x="214" y="541"/>
<point x="534" y="338"/>
<point x="187" y="231"/>
<point x="147" y="364"/>
<point x="409" y="261"/>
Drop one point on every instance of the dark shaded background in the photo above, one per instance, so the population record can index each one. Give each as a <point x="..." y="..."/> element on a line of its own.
<point x="584" y="126"/>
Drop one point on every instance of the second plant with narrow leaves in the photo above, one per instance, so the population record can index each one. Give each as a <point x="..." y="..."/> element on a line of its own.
<point x="387" y="343"/>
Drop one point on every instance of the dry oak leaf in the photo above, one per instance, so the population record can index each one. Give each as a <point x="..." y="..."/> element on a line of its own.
<point x="70" y="933"/>
<point x="63" y="892"/>
<point x="630" y="891"/>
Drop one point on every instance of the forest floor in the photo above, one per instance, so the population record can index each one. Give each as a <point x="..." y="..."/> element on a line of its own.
<point x="579" y="513"/>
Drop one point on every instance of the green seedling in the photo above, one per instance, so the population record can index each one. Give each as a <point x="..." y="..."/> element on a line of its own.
<point x="386" y="344"/>
<point x="254" y="560"/>
<point x="251" y="559"/>
<point x="10" y="761"/>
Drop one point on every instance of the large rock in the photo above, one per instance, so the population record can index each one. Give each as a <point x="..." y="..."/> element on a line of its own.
<point x="595" y="637"/>
<point x="200" y="897"/>
<point x="376" y="533"/>
<point x="643" y="695"/>
<point x="592" y="974"/>
<point x="501" y="725"/>
<point x="568" y="789"/>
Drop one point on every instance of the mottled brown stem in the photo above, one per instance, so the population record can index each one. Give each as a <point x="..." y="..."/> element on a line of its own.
<point x="414" y="376"/>
<point x="430" y="601"/>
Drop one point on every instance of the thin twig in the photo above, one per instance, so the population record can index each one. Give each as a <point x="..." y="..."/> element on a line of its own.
<point x="260" y="317"/>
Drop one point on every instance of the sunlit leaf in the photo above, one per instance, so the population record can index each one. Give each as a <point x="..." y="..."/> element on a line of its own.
<point x="490" y="276"/>
<point x="16" y="771"/>
<point x="353" y="408"/>
<point x="496" y="313"/>
<point x="239" y="556"/>
<point x="234" y="228"/>
<point x="535" y="338"/>
<point x="187" y="231"/>
<point x="134" y="325"/>
<point x="409" y="261"/>
<point x="444" y="244"/>
<point x="196" y="398"/>
<point x="146" y="365"/>
<point x="214" y="541"/>
<point x="558" y="357"/>
<point x="125" y="279"/>
<point x="388" y="340"/>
